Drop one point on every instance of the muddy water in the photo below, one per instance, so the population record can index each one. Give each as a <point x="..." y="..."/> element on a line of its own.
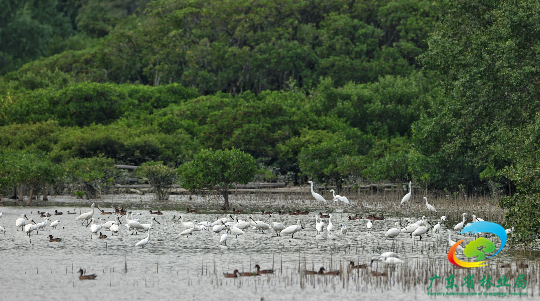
<point x="173" y="267"/>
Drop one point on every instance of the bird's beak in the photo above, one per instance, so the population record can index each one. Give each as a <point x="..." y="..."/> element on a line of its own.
<point x="157" y="222"/>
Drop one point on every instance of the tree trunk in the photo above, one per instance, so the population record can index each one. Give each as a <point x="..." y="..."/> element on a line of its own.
<point x="30" y="197"/>
<point x="226" y="197"/>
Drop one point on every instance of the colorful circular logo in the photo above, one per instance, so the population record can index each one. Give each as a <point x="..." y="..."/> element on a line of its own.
<point x="478" y="247"/>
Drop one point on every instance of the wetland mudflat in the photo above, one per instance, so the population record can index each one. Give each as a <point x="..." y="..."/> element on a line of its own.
<point x="174" y="267"/>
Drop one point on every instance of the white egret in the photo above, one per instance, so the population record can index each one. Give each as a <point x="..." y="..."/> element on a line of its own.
<point x="94" y="227"/>
<point x="386" y="255"/>
<point x="187" y="232"/>
<point x="391" y="260"/>
<point x="86" y="216"/>
<point x="429" y="207"/>
<point x="55" y="224"/>
<point x="292" y="229"/>
<point x="451" y="242"/>
<point x="339" y="197"/>
<point x="343" y="229"/>
<point x="144" y="241"/>
<point x="330" y="226"/>
<point x="369" y="225"/>
<point x="317" y="196"/>
<point x="319" y="225"/>
<point x="437" y="227"/>
<point x="223" y="239"/>
<point x="476" y="219"/>
<point x="393" y="232"/>
<point x="408" y="195"/>
<point x="458" y="227"/>
<point x="41" y="225"/>
<point x="115" y="228"/>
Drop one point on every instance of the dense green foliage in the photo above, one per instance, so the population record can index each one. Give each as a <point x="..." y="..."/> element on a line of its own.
<point x="91" y="175"/>
<point x="441" y="93"/>
<point x="160" y="176"/>
<point x="32" y="169"/>
<point x="218" y="170"/>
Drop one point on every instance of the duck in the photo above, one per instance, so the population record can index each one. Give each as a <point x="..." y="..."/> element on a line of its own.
<point x="259" y="271"/>
<point x="156" y="212"/>
<point x="52" y="239"/>
<point x="86" y="277"/>
<point x="332" y="273"/>
<point x="321" y="215"/>
<point x="375" y="218"/>
<point x="236" y="210"/>
<point x="360" y="266"/>
<point x="379" y="274"/>
<point x="352" y="218"/>
<point x="102" y="236"/>
<point x="249" y="274"/>
<point x="71" y="212"/>
<point x="189" y="210"/>
<point x="266" y="213"/>
<point x="320" y="272"/>
<point x="231" y="275"/>
<point x="56" y="212"/>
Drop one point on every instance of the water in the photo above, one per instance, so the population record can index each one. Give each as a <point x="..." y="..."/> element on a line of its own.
<point x="173" y="267"/>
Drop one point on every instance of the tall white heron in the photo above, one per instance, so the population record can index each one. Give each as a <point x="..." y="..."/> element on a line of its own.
<point x="408" y="195"/>
<point x="86" y="216"/>
<point x="317" y="196"/>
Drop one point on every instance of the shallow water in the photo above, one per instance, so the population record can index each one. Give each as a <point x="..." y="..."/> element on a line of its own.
<point x="174" y="267"/>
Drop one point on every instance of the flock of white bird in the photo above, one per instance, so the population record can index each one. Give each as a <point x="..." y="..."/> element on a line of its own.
<point x="234" y="226"/>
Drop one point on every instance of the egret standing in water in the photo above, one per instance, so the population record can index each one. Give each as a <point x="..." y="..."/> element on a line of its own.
<point x="339" y="197"/>
<point x="408" y="195"/>
<point x="86" y="216"/>
<point x="317" y="196"/>
<point x="143" y="242"/>
<point x="429" y="207"/>
<point x="458" y="227"/>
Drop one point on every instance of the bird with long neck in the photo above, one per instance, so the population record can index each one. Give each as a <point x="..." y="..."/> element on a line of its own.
<point x="317" y="196"/>
<point x="408" y="195"/>
<point x="86" y="216"/>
